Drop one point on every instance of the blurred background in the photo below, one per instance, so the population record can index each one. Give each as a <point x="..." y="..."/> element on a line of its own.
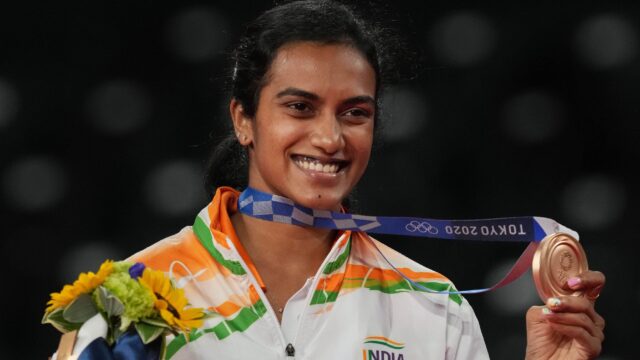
<point x="108" y="111"/>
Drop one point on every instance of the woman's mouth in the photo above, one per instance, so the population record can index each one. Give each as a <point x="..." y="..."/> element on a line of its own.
<point x="321" y="166"/>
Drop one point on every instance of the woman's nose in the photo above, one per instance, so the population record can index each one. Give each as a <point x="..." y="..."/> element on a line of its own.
<point x="327" y="134"/>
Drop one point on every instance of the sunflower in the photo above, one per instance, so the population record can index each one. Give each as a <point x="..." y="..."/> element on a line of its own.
<point x="171" y="302"/>
<point x="86" y="283"/>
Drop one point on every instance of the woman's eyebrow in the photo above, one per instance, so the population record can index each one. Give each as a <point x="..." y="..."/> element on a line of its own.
<point x="359" y="100"/>
<point x="291" y="91"/>
<point x="297" y="92"/>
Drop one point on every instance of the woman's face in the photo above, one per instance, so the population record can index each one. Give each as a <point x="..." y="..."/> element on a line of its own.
<point x="313" y="129"/>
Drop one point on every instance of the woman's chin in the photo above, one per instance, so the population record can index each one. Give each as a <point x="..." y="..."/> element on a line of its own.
<point x="320" y="201"/>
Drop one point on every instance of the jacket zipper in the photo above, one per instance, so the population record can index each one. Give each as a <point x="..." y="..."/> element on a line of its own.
<point x="289" y="350"/>
<point x="314" y="284"/>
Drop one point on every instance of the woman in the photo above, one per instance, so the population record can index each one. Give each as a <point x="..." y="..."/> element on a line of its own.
<point x="306" y="85"/>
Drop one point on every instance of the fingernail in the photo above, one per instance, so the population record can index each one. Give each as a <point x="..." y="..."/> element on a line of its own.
<point x="546" y="311"/>
<point x="553" y="302"/>
<point x="574" y="281"/>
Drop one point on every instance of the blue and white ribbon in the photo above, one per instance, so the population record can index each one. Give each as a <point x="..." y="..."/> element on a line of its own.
<point x="530" y="229"/>
<point x="280" y="209"/>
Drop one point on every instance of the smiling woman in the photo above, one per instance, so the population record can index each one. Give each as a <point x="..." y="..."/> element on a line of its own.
<point x="306" y="85"/>
<point x="311" y="137"/>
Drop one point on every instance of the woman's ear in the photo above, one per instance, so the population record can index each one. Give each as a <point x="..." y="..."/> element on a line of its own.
<point x="242" y="123"/>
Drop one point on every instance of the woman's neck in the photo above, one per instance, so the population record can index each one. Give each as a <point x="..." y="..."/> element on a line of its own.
<point x="271" y="244"/>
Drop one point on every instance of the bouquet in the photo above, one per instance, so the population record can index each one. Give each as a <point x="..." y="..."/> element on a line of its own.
<point x="129" y="297"/>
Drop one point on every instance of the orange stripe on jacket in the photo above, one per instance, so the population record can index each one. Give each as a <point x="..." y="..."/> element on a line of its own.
<point x="186" y="249"/>
<point x="224" y="204"/>
<point x="356" y="273"/>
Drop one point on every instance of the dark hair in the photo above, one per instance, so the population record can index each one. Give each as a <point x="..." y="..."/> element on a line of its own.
<point x="322" y="21"/>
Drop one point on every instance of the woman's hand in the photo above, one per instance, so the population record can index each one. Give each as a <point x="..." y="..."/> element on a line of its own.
<point x="568" y="327"/>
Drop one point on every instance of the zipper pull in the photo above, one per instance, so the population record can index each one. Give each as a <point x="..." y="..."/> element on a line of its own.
<point x="291" y="351"/>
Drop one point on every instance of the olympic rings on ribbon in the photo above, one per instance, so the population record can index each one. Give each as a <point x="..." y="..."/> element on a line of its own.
<point x="423" y="227"/>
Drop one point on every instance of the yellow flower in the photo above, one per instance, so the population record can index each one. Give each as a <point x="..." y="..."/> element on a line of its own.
<point x="86" y="283"/>
<point x="171" y="302"/>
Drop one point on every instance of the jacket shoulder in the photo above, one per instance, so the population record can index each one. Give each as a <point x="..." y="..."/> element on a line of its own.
<point x="159" y="256"/>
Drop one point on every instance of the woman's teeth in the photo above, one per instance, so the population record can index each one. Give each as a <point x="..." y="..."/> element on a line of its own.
<point x="315" y="165"/>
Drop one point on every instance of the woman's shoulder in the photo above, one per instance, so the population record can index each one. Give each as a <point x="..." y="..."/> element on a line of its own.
<point x="160" y="255"/>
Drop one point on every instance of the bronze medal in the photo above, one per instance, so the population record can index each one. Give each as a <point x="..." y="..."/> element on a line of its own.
<point x="558" y="258"/>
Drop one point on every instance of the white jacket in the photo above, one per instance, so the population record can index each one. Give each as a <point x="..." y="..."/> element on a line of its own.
<point x="356" y="306"/>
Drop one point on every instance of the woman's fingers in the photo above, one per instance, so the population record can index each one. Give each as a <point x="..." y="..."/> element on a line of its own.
<point x="580" y="320"/>
<point x="578" y="309"/>
<point x="573" y="304"/>
<point x="579" y="333"/>
<point x="574" y="317"/>
<point x="591" y="282"/>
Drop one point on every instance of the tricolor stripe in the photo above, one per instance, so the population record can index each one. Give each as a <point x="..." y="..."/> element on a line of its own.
<point x="387" y="281"/>
<point x="241" y="322"/>
<point x="381" y="340"/>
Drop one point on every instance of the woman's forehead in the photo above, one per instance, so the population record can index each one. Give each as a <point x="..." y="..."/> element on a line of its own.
<point x="322" y="68"/>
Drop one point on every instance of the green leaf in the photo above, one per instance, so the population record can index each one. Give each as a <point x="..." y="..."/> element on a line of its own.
<point x="114" y="331"/>
<point x="80" y="310"/>
<point x="112" y="305"/>
<point x="125" y="323"/>
<point x="147" y="332"/>
<point x="58" y="321"/>
<point x="156" y="322"/>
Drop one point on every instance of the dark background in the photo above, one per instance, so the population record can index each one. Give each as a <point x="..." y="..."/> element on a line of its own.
<point x="108" y="111"/>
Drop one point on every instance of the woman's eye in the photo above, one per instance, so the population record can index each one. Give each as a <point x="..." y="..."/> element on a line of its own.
<point x="357" y="113"/>
<point x="299" y="107"/>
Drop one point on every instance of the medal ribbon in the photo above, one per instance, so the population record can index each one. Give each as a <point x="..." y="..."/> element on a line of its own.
<point x="530" y="229"/>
